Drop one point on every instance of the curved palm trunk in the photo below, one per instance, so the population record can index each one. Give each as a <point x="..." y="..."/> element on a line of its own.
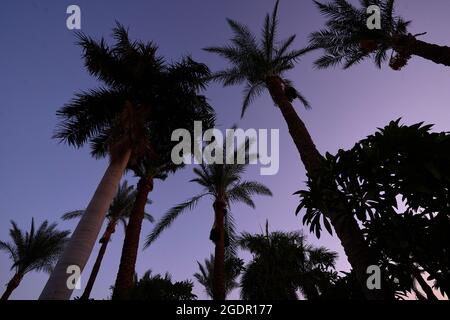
<point x="433" y="52"/>
<point x="125" y="275"/>
<point x="12" y="285"/>
<point x="345" y="225"/>
<point x="219" y="253"/>
<point x="83" y="239"/>
<point x="110" y="229"/>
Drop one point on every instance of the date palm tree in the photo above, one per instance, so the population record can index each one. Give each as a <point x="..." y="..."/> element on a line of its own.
<point x="141" y="101"/>
<point x="34" y="250"/>
<point x="205" y="276"/>
<point x="282" y="264"/>
<point x="119" y="211"/>
<point x="261" y="65"/>
<point x="157" y="287"/>
<point x="346" y="39"/>
<point x="224" y="184"/>
<point x="147" y="173"/>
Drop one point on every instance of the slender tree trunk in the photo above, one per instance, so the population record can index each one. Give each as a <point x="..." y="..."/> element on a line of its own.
<point x="110" y="229"/>
<point x="424" y="285"/>
<point x="437" y="54"/>
<point x="124" y="280"/>
<point x="12" y="285"/>
<point x="344" y="223"/>
<point x="219" y="254"/>
<point x="309" y="154"/>
<point x="79" y="248"/>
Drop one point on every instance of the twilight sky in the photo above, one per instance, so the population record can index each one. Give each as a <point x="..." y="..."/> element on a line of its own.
<point x="41" y="69"/>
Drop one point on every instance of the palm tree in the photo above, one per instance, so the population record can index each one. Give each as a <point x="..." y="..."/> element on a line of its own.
<point x="141" y="102"/>
<point x="262" y="65"/>
<point x="118" y="212"/>
<point x="161" y="288"/>
<point x="282" y="264"/>
<point x="205" y="276"/>
<point x="222" y="182"/>
<point x="146" y="173"/>
<point x="347" y="40"/>
<point x="36" y="250"/>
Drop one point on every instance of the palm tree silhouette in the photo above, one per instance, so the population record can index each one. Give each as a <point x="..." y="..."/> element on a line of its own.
<point x="261" y="65"/>
<point x="157" y="287"/>
<point x="36" y="250"/>
<point x="283" y="263"/>
<point x="146" y="172"/>
<point x="347" y="40"/>
<point x="205" y="276"/>
<point x="143" y="100"/>
<point x="119" y="211"/>
<point x="222" y="182"/>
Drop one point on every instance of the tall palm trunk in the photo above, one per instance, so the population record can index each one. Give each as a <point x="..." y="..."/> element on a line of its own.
<point x="345" y="225"/>
<point x="437" y="54"/>
<point x="12" y="285"/>
<point x="110" y="229"/>
<point x="124" y="281"/>
<point x="83" y="238"/>
<point x="219" y="254"/>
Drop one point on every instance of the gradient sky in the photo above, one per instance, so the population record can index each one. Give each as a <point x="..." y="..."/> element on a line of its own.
<point x="41" y="69"/>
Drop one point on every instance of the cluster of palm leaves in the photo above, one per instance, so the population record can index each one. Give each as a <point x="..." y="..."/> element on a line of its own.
<point x="34" y="250"/>
<point x="130" y="119"/>
<point x="346" y="40"/>
<point x="283" y="264"/>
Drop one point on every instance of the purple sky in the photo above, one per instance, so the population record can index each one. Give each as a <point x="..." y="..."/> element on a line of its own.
<point x="41" y="69"/>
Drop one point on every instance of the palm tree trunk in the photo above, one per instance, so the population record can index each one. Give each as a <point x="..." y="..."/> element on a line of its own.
<point x="309" y="154"/>
<point x="124" y="280"/>
<point x="83" y="239"/>
<point x="12" y="285"/>
<point x="219" y="254"/>
<point x="345" y="225"/>
<point x="437" y="54"/>
<point x="432" y="52"/>
<point x="424" y="285"/>
<point x="110" y="229"/>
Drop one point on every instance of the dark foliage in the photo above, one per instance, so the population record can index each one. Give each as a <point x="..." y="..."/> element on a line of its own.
<point x="157" y="287"/>
<point x="397" y="184"/>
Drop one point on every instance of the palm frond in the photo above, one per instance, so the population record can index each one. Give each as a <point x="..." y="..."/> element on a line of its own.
<point x="36" y="249"/>
<point x="170" y="216"/>
<point x="346" y="39"/>
<point x="72" y="215"/>
<point x="149" y="217"/>
<point x="251" y="92"/>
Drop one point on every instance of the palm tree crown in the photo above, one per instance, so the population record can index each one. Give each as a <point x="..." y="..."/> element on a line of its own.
<point x="254" y="61"/>
<point x="219" y="181"/>
<point x="283" y="263"/>
<point x="34" y="250"/>
<point x="347" y="40"/>
<point x="141" y="102"/>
